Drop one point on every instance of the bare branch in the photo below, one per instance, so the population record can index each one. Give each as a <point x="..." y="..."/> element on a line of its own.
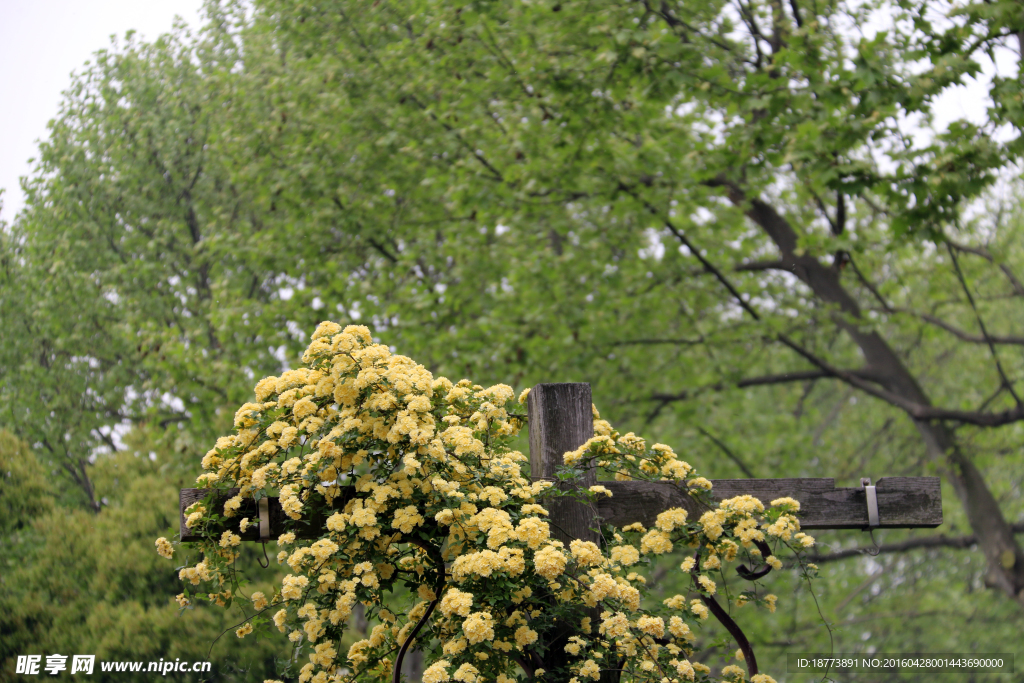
<point x="956" y="331"/>
<point x="1018" y="287"/>
<point x="918" y="411"/>
<point x="762" y="265"/>
<point x="981" y="324"/>
<point x="870" y="287"/>
<point x="781" y="378"/>
<point x="940" y="541"/>
<point x="728" y="452"/>
<point x="642" y="342"/>
<point x="708" y="266"/>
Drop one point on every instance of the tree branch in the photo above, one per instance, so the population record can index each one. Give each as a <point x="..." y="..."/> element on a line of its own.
<point x="641" y="342"/>
<point x="781" y="378"/>
<point x="708" y="266"/>
<point x="762" y="265"/>
<point x="1018" y="287"/>
<point x="870" y="287"/>
<point x="981" y="324"/>
<point x="940" y="541"/>
<point x="918" y="411"/>
<point x="956" y="331"/>
<point x="728" y="452"/>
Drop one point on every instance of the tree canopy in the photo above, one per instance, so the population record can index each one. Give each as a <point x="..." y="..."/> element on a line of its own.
<point x="722" y="215"/>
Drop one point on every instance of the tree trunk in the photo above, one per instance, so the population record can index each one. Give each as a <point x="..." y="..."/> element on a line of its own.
<point x="1004" y="556"/>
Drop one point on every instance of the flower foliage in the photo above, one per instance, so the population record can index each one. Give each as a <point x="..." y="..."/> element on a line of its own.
<point x="406" y="496"/>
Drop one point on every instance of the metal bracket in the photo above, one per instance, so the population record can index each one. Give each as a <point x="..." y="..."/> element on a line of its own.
<point x="264" y="505"/>
<point x="872" y="500"/>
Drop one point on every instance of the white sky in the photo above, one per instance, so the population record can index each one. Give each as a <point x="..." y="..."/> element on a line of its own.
<point x="41" y="43"/>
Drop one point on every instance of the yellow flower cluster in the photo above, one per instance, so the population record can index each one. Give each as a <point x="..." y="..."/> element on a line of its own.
<point x="406" y="475"/>
<point x="164" y="548"/>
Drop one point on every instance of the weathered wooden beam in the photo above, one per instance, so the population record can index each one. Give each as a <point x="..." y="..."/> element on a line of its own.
<point x="903" y="502"/>
<point x="279" y="521"/>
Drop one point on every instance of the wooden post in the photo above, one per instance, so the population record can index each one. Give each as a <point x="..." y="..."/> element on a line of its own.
<point x="560" y="419"/>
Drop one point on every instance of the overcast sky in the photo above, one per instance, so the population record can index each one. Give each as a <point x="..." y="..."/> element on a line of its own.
<point x="43" y="41"/>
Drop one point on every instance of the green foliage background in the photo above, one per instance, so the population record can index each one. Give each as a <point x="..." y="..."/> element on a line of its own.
<point x="520" y="192"/>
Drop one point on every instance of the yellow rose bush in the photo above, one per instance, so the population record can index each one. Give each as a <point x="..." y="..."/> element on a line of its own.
<point x="397" y="483"/>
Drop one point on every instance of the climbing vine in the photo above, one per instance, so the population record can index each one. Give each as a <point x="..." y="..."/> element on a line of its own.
<point x="419" y="509"/>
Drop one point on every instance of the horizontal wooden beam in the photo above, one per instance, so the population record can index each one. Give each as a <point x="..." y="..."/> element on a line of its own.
<point x="903" y="503"/>
<point x="279" y="521"/>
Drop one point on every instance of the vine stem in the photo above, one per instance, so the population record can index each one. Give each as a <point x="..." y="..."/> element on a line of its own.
<point x="435" y="555"/>
<point x="734" y="630"/>
<point x="730" y="625"/>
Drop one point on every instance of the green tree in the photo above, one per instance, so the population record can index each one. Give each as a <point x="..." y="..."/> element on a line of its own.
<point x="78" y="582"/>
<point x="714" y="212"/>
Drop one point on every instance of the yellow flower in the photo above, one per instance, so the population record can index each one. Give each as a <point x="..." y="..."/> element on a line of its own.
<point x="229" y="539"/>
<point x="655" y="541"/>
<point x="533" y="532"/>
<point x="279" y="619"/>
<point x="734" y="672"/>
<point x="679" y="628"/>
<point x="525" y="636"/>
<point x="787" y="502"/>
<point x="602" y="586"/>
<point x="478" y="627"/>
<point x="625" y="555"/>
<point x="437" y="672"/>
<point x="244" y="630"/>
<point x="291" y="588"/>
<point x="164" y="548"/>
<point x="549" y="562"/>
<point x="456" y="602"/>
<point x="586" y="553"/>
<point x="671" y="519"/>
<point x="685" y="669"/>
<point x="590" y="669"/>
<point x="575" y="645"/>
<point x="467" y="673"/>
<point x="654" y="626"/>
<point x="303" y="408"/>
<point x="614" y="625"/>
<point x="742" y="504"/>
<point x="407" y="518"/>
<point x="408" y="443"/>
